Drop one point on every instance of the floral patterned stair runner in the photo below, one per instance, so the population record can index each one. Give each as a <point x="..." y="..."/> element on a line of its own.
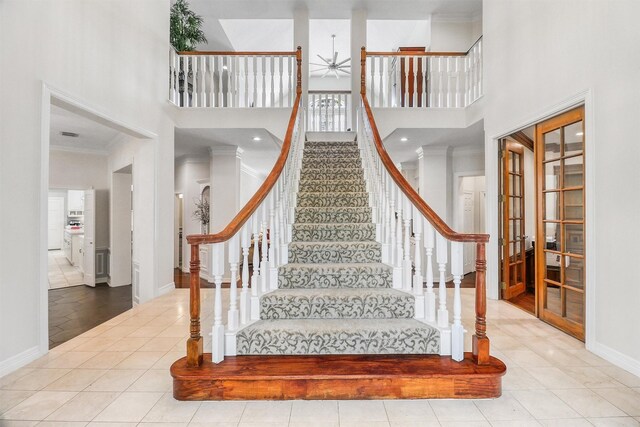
<point x="335" y="295"/>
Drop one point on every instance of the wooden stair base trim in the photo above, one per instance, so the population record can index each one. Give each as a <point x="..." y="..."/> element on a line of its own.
<point x="337" y="377"/>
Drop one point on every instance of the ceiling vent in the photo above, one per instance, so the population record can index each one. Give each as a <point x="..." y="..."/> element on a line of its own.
<point x="69" y="134"/>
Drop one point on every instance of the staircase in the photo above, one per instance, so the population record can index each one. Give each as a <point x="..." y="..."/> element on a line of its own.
<point x="335" y="295"/>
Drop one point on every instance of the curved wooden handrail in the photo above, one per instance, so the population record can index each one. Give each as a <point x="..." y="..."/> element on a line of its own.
<point x="435" y="220"/>
<point x="420" y="53"/>
<point x="250" y="207"/>
<point x="222" y="53"/>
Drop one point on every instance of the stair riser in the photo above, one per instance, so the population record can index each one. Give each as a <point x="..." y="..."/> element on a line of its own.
<point x="324" y="174"/>
<point x="281" y="341"/>
<point x="314" y="185"/>
<point x="324" y="254"/>
<point x="330" y="163"/>
<point x="331" y="154"/>
<point x="322" y="200"/>
<point x="324" y="278"/>
<point x="333" y="233"/>
<point x="331" y="144"/>
<point x="332" y="215"/>
<point x="365" y="306"/>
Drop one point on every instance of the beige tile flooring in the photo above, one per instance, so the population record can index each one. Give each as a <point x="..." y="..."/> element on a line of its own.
<point x="117" y="374"/>
<point x="61" y="273"/>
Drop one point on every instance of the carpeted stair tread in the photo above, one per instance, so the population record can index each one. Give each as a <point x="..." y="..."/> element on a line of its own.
<point x="332" y="185"/>
<point x="349" y="303"/>
<point x="335" y="252"/>
<point x="345" y="232"/>
<point x="328" y="276"/>
<point x="333" y="215"/>
<point x="331" y="144"/>
<point x="331" y="163"/>
<point x="338" y="336"/>
<point x="331" y="173"/>
<point x="326" y="199"/>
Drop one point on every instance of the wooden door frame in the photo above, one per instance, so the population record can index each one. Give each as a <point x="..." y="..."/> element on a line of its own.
<point x="516" y="147"/>
<point x="558" y="121"/>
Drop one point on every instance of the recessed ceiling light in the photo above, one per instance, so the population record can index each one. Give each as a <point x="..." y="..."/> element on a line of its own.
<point x="579" y="133"/>
<point x="404" y="139"/>
<point x="69" y="134"/>
<point x="257" y="138"/>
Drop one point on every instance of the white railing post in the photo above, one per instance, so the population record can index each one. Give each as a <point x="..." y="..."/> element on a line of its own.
<point x="245" y="307"/>
<point x="264" y="264"/>
<point x="418" y="291"/>
<point x="430" y="297"/>
<point x="273" y="266"/>
<point x="217" y="333"/>
<point x="233" y="316"/>
<point x="457" y="331"/>
<point x="441" y="255"/>
<point x="406" y="264"/>
<point x="255" y="278"/>
<point x="399" y="255"/>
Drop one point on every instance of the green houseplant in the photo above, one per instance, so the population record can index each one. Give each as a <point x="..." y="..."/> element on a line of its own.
<point x="185" y="27"/>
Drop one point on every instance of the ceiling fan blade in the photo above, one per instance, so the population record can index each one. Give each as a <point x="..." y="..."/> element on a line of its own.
<point x="343" y="71"/>
<point x="344" y="66"/>
<point x="326" y="72"/>
<point x="335" y="57"/>
<point x="342" y="62"/>
<point x="335" y="73"/>
<point x="325" y="60"/>
<point x="319" y="65"/>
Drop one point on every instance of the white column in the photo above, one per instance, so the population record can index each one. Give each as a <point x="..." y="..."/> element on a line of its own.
<point x="224" y="176"/>
<point x="358" y="39"/>
<point x="217" y="333"/>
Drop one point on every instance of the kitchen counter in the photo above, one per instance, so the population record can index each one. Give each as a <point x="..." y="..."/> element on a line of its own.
<point x="74" y="231"/>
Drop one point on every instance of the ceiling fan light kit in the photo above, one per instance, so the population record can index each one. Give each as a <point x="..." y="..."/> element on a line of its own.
<point x="331" y="64"/>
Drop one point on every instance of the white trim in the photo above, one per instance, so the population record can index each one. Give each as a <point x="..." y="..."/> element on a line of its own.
<point x="166" y="288"/>
<point x="615" y="357"/>
<point x="225" y="150"/>
<point x="250" y="171"/>
<point x="83" y="150"/>
<point x="585" y="98"/>
<point x="19" y="360"/>
<point x="191" y="159"/>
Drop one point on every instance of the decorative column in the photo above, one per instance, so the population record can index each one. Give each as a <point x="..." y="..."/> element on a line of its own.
<point x="358" y="40"/>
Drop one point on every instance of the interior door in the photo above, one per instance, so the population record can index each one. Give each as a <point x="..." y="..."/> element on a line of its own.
<point x="560" y="252"/>
<point x="88" y="249"/>
<point x="468" y="226"/>
<point x="513" y="250"/>
<point x="56" y="223"/>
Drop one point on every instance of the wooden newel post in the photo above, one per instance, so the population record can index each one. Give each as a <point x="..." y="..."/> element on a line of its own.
<point x="299" y="72"/>
<point x="363" y="70"/>
<point x="194" y="343"/>
<point x="480" y="339"/>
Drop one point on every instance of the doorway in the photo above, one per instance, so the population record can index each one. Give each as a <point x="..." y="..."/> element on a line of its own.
<point x="542" y="214"/>
<point x="469" y="213"/>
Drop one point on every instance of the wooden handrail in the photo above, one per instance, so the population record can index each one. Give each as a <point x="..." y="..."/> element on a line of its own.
<point x="250" y="207"/>
<point x="421" y="53"/>
<point x="223" y="53"/>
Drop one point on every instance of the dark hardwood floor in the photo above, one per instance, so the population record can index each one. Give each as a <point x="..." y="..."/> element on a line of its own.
<point x="77" y="309"/>
<point x="526" y="301"/>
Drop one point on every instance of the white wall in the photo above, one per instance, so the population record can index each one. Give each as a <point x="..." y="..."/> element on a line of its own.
<point x="454" y="36"/>
<point x="250" y="181"/>
<point x="112" y="57"/>
<point x="81" y="171"/>
<point x="587" y="49"/>
<point x="121" y="207"/>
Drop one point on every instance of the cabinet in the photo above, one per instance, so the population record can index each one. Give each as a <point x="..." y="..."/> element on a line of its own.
<point x="77" y="256"/>
<point x="75" y="202"/>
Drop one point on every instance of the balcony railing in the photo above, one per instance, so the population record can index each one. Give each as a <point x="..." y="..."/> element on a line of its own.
<point x="329" y="111"/>
<point x="414" y="79"/>
<point x="232" y="79"/>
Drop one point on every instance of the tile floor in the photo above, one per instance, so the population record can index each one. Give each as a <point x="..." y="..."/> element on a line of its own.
<point x="117" y="374"/>
<point x="61" y="273"/>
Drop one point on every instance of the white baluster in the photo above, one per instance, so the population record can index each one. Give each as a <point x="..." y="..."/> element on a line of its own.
<point x="184" y="61"/>
<point x="220" y="92"/>
<point x="430" y="85"/>
<point x="264" y="265"/>
<point x="217" y="333"/>
<point x="430" y="297"/>
<point x="347" y="113"/>
<point x="457" y="331"/>
<point x="441" y="255"/>
<point x="273" y="266"/>
<point x="381" y="97"/>
<point x="399" y="254"/>
<point x="255" y="278"/>
<point x="264" y="81"/>
<point x="245" y="306"/>
<point x="373" y="81"/>
<point x="406" y="265"/>
<point x="272" y="95"/>
<point x="245" y="72"/>
<point x="291" y="84"/>
<point x="397" y="282"/>
<point x="195" y="95"/>
<point x="418" y="291"/>
<point x="233" y="317"/>
<point x="405" y="78"/>
<point x="281" y="91"/>
<point x="202" y="70"/>
<point x="255" y="82"/>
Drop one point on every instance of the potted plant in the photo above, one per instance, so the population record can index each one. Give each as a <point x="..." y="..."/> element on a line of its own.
<point x="202" y="213"/>
<point x="185" y="32"/>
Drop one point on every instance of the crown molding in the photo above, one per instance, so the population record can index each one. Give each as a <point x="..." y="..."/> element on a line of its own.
<point x="226" y="150"/>
<point x="456" y="17"/>
<point x="191" y="159"/>
<point x="251" y="171"/>
<point x="466" y="150"/>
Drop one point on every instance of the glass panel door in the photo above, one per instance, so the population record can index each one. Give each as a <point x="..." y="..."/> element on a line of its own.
<point x="513" y="250"/>
<point x="560" y="250"/>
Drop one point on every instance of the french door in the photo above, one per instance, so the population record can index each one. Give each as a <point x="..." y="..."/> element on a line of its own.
<point x="513" y="255"/>
<point x="560" y="252"/>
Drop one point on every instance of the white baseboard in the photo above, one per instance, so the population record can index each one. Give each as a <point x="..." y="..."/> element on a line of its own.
<point x="166" y="288"/>
<point x="615" y="357"/>
<point x="19" y="360"/>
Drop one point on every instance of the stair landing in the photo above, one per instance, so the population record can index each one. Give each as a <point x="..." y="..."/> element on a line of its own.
<point x="337" y="377"/>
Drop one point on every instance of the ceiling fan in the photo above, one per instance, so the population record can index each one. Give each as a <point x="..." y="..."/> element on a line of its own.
<point x="331" y="65"/>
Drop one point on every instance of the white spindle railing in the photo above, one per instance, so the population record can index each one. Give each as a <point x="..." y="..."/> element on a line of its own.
<point x="267" y="231"/>
<point x="424" y="79"/>
<point x="232" y="79"/>
<point x="329" y="111"/>
<point x="400" y="222"/>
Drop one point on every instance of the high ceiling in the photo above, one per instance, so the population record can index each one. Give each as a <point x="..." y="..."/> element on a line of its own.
<point x="92" y="136"/>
